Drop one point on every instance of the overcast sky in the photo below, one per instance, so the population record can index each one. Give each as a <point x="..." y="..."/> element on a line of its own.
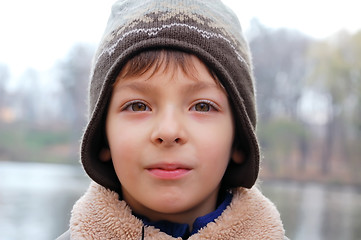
<point x="35" y="33"/>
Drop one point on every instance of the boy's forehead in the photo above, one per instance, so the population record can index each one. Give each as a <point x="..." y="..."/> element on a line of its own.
<point x="155" y="87"/>
<point x="145" y="84"/>
<point x="185" y="82"/>
<point x="200" y="76"/>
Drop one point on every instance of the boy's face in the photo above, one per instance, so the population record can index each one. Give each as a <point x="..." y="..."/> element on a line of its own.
<point x="170" y="136"/>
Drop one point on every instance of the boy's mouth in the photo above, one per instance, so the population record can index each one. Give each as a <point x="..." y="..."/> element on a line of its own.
<point x="168" y="171"/>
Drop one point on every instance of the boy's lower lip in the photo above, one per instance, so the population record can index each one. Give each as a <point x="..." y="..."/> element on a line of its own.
<point x="168" y="173"/>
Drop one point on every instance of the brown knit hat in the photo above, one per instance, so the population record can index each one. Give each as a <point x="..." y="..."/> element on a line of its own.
<point x="205" y="28"/>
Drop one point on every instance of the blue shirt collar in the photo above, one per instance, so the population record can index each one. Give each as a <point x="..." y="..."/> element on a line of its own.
<point x="182" y="230"/>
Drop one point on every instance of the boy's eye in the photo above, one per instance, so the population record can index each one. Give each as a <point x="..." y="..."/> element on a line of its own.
<point x="204" y="106"/>
<point x="139" y="106"/>
<point x="136" y="107"/>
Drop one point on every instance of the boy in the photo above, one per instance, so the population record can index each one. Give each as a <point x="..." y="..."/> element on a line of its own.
<point x="171" y="142"/>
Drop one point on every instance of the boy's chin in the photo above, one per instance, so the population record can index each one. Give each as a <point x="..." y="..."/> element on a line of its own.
<point x="176" y="207"/>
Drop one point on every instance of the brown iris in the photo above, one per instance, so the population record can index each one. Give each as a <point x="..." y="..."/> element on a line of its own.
<point x="139" y="107"/>
<point x="202" y="107"/>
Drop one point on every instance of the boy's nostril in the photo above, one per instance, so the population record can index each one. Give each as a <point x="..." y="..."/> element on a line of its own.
<point x="160" y="140"/>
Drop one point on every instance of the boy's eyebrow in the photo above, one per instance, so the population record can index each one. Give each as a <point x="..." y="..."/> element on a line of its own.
<point x="198" y="86"/>
<point x="139" y="87"/>
<point x="189" y="88"/>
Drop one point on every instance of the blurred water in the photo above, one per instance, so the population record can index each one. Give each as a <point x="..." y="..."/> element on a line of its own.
<point x="315" y="211"/>
<point x="36" y="200"/>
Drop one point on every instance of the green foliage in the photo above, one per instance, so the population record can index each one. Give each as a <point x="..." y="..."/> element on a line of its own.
<point x="24" y="143"/>
<point x="38" y="138"/>
<point x="336" y="72"/>
<point x="280" y="139"/>
<point x="281" y="134"/>
<point x="332" y="67"/>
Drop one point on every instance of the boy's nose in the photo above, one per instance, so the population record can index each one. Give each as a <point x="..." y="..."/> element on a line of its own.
<point x="169" y="129"/>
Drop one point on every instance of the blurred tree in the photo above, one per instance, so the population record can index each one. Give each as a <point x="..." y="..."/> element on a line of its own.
<point x="28" y="92"/>
<point x="73" y="73"/>
<point x="355" y="61"/>
<point x="280" y="68"/>
<point x="353" y="109"/>
<point x="279" y="57"/>
<point x="281" y="139"/>
<point x="4" y="77"/>
<point x="336" y="65"/>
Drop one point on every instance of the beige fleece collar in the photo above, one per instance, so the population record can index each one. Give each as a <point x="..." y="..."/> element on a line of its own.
<point x="100" y="215"/>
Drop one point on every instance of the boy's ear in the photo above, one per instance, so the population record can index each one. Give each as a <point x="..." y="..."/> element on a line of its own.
<point x="105" y="155"/>
<point x="237" y="156"/>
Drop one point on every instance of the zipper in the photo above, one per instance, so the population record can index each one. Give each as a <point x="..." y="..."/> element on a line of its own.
<point x="143" y="229"/>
